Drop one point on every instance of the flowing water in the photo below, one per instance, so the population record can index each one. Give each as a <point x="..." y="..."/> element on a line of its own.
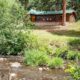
<point x="12" y="68"/>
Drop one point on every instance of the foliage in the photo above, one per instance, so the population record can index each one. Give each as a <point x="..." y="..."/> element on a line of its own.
<point x="41" y="4"/>
<point x="34" y="42"/>
<point x="11" y="15"/>
<point x="51" y="5"/>
<point x="36" y="57"/>
<point x="56" y="62"/>
<point x="61" y="52"/>
<point x="78" y="9"/>
<point x="78" y="55"/>
<point x="31" y="40"/>
<point x="72" y="55"/>
<point x="11" y="25"/>
<point x="75" y="44"/>
<point x="12" y="44"/>
<point x="74" y="71"/>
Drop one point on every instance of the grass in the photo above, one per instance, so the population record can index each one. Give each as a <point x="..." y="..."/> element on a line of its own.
<point x="59" y="37"/>
<point x="56" y="62"/>
<point x="75" y="26"/>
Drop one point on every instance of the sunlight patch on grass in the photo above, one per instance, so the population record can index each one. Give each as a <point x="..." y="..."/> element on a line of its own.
<point x="60" y="37"/>
<point x="75" y="26"/>
<point x="48" y="37"/>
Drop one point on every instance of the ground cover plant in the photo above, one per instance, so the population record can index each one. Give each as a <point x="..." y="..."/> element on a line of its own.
<point x="74" y="71"/>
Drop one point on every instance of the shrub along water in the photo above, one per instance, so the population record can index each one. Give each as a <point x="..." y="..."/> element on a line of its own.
<point x="36" y="57"/>
<point x="61" y="52"/>
<point x="72" y="55"/>
<point x="74" y="71"/>
<point x="37" y="53"/>
<point x="56" y="62"/>
<point x="12" y="23"/>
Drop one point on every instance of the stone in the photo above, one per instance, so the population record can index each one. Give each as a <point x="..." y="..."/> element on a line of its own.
<point x="46" y="69"/>
<point x="16" y="65"/>
<point x="12" y="76"/>
<point x="2" y="59"/>
<point x="40" y="69"/>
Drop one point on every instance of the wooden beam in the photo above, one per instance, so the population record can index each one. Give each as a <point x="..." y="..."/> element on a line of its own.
<point x="64" y="13"/>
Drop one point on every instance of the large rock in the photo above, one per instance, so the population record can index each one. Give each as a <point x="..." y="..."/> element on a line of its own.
<point x="15" y="65"/>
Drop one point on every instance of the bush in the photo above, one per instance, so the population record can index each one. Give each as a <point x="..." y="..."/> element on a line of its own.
<point x="74" y="71"/>
<point x="56" y="62"/>
<point x="11" y="17"/>
<point x="31" y="40"/>
<point x="72" y="55"/>
<point x="12" y="39"/>
<point x="61" y="52"/>
<point x="79" y="55"/>
<point x="12" y="44"/>
<point x="12" y="14"/>
<point x="36" y="57"/>
<point x="75" y="44"/>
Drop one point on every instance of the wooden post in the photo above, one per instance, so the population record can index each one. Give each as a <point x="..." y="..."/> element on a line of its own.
<point x="64" y="13"/>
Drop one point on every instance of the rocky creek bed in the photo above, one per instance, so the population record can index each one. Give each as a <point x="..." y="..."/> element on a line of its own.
<point x="12" y="68"/>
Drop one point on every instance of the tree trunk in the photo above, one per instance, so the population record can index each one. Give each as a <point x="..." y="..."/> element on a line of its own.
<point x="64" y="13"/>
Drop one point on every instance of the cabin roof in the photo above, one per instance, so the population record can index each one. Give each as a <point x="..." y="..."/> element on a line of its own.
<point x="37" y="12"/>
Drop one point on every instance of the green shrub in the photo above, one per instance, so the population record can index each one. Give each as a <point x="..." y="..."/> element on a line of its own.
<point x="36" y="57"/>
<point x="13" y="44"/>
<point x="75" y="44"/>
<point x="79" y="55"/>
<point x="31" y="40"/>
<point x="61" y="52"/>
<point x="46" y="48"/>
<point x="11" y="17"/>
<point x="56" y="62"/>
<point x="72" y="55"/>
<point x="74" y="71"/>
<point x="12" y="14"/>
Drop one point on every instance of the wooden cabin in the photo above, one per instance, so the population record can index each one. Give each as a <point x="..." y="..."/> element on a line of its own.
<point x="51" y="16"/>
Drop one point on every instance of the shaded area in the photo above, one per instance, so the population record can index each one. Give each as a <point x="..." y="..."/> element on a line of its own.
<point x="69" y="33"/>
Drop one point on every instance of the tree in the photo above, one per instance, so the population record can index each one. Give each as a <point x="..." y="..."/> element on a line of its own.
<point x="11" y="24"/>
<point x="42" y="4"/>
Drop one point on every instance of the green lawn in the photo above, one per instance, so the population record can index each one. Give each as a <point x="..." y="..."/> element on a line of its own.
<point x="59" y="37"/>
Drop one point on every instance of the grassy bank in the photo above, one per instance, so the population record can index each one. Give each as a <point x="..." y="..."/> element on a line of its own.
<point x="56" y="44"/>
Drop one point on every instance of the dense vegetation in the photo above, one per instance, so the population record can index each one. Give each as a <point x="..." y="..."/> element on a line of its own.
<point x="12" y="18"/>
<point x="74" y="71"/>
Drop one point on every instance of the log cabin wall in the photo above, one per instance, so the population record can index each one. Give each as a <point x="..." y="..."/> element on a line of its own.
<point x="52" y="18"/>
